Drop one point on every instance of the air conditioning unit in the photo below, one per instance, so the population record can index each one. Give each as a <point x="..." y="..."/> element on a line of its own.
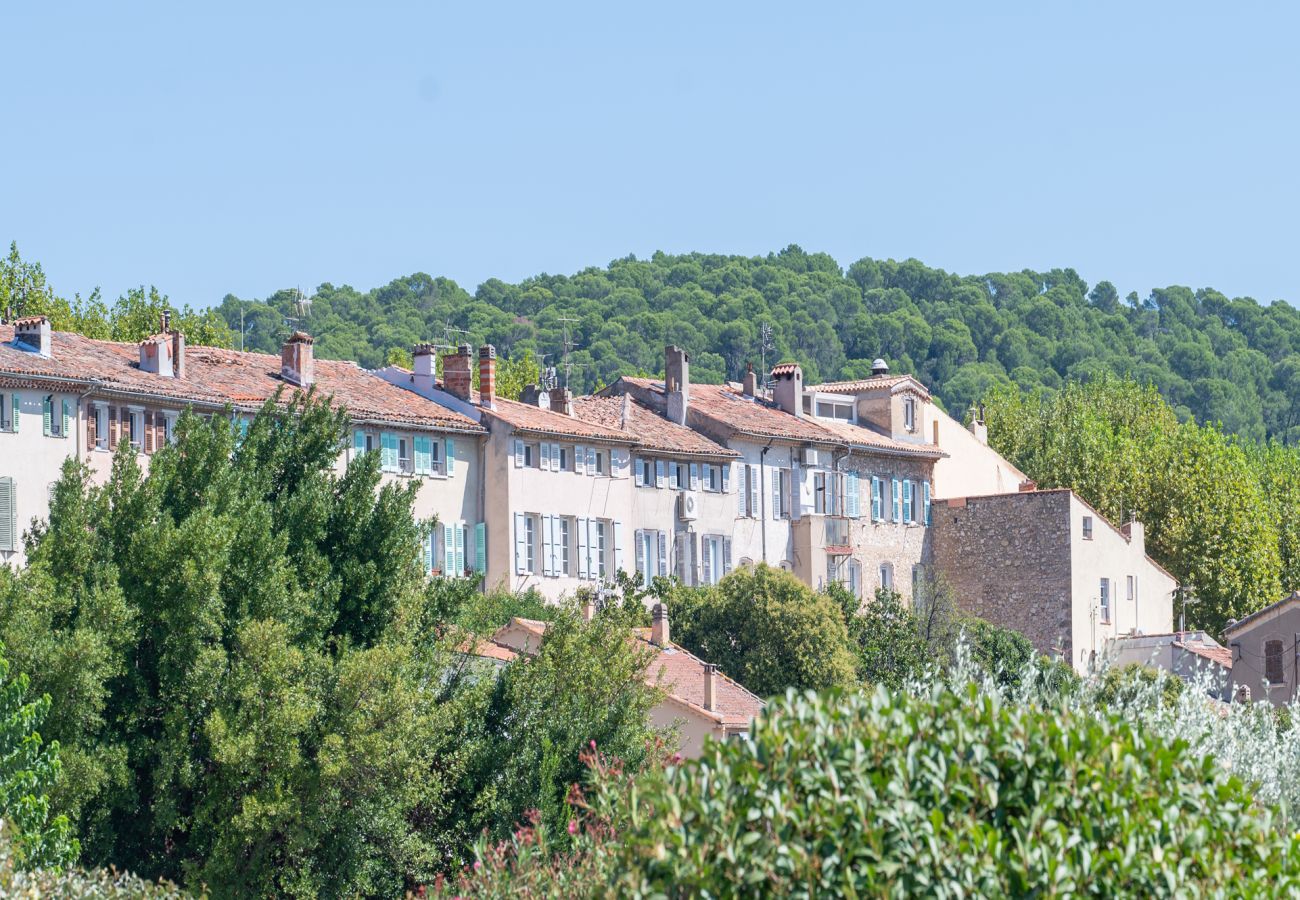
<point x="688" y="506"/>
<point x="811" y="456"/>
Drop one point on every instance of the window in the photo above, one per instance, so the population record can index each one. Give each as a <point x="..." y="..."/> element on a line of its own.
<point x="1132" y="588"/>
<point x="99" y="414"/>
<point x="715" y="557"/>
<point x="747" y="500"/>
<point x="1105" y="601"/>
<point x="560" y="455"/>
<point x="1273" y="669"/>
<point x="645" y="472"/>
<point x="829" y="409"/>
<point x="565" y="563"/>
<point x="530" y="456"/>
<point x="599" y="468"/>
<point x="169" y="428"/>
<point x="136" y="422"/>
<point x="530" y="544"/>
<point x="56" y="413"/>
<point x="887" y="576"/>
<point x="855" y="578"/>
<point x="819" y="493"/>
<point x="712" y="478"/>
<point x="1087" y="528"/>
<point x="426" y="455"/>
<point x="651" y="550"/>
<point x="827" y="491"/>
<point x="909" y="413"/>
<point x="405" y="462"/>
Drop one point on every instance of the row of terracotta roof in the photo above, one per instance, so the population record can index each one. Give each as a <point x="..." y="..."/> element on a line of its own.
<point x="216" y="377"/>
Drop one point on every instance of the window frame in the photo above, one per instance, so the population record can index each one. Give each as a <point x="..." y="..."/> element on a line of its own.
<point x="1277" y="658"/>
<point x="1104" y="601"/>
<point x="1087" y="528"/>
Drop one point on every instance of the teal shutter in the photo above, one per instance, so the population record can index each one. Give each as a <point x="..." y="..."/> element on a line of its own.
<point x="925" y="489"/>
<point x="449" y="550"/>
<point x="909" y="507"/>
<point x="896" y="504"/>
<point x="480" y="548"/>
<point x="387" y="451"/>
<point x="451" y="457"/>
<point x="460" y="549"/>
<point x="851" y="495"/>
<point x="876" y="511"/>
<point x="8" y="513"/>
<point x="15" y="410"/>
<point x="423" y="455"/>
<point x="67" y="417"/>
<point x="47" y="412"/>
<point x="359" y="441"/>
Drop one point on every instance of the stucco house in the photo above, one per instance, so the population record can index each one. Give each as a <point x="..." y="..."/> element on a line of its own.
<point x="1263" y="648"/>
<point x="1193" y="656"/>
<point x="699" y="701"/>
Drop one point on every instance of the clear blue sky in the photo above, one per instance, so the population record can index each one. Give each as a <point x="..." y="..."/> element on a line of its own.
<point x="257" y="146"/>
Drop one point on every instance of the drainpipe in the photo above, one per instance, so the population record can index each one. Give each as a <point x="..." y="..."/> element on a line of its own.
<point x="762" y="496"/>
<point x="81" y="426"/>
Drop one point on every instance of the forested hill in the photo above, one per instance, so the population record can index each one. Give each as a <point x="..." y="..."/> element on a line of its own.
<point x="1233" y="361"/>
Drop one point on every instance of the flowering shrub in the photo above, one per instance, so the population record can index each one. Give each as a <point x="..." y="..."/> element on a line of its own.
<point x="954" y="790"/>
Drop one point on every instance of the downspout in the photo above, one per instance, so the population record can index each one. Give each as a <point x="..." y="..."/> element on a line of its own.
<point x="762" y="496"/>
<point x="81" y="429"/>
<point x="482" y="503"/>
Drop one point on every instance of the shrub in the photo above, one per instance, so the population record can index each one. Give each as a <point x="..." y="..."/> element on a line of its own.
<point x="952" y="793"/>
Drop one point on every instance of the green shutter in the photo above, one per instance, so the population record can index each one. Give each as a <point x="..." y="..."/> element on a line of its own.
<point x="47" y="414"/>
<point x="460" y="550"/>
<point x="359" y="441"/>
<point x="451" y="456"/>
<point x="480" y="548"/>
<point x="449" y="550"/>
<point x="8" y="513"/>
<point x="66" y="417"/>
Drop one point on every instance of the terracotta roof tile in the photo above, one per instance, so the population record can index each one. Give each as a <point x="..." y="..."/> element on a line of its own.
<point x="786" y="368"/>
<point x="215" y="377"/>
<point x="652" y="431"/>
<point x="534" y="419"/>
<point x="874" y="383"/>
<point x="1220" y="655"/>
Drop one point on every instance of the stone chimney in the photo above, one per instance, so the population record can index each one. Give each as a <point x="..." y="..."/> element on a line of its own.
<point x="424" y="365"/>
<point x="659" y="634"/>
<point x="710" y="686"/>
<point x="751" y="381"/>
<point x="977" y="426"/>
<point x="457" y="378"/>
<point x="297" y="360"/>
<point x="879" y="367"/>
<point x="677" y="383"/>
<point x="562" y="401"/>
<point x="588" y="608"/>
<point x="178" y="354"/>
<point x="788" y="389"/>
<point x="32" y="333"/>
<point x="156" y="355"/>
<point x="487" y="376"/>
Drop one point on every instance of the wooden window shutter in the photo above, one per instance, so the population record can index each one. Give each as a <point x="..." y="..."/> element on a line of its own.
<point x="8" y="514"/>
<point x="92" y="436"/>
<point x="148" y="431"/>
<point x="114" y="428"/>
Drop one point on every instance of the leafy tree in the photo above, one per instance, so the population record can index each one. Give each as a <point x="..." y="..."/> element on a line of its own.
<point x="766" y="629"/>
<point x="28" y="769"/>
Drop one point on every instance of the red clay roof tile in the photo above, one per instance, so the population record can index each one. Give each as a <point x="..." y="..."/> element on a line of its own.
<point x="652" y="431"/>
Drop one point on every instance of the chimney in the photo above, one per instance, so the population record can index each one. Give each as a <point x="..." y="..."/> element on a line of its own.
<point x="156" y="355"/>
<point x="178" y="353"/>
<point x="424" y="364"/>
<point x="1028" y="486"/>
<point x="456" y="377"/>
<point x="788" y="390"/>
<point x="562" y="401"/>
<point x="659" y="635"/>
<point x="751" y="381"/>
<point x="532" y="395"/>
<point x="297" y="362"/>
<point x="879" y="367"/>
<point x="677" y="383"/>
<point x="624" y="412"/>
<point x="710" y="686"/>
<point x="487" y="376"/>
<point x="1136" y="534"/>
<point x="588" y="608"/>
<point x="32" y="333"/>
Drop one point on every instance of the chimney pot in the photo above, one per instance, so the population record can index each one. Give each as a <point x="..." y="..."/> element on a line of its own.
<point x="33" y="333"/>
<point x="879" y="367"/>
<point x="487" y="376"/>
<point x="677" y="383"/>
<point x="660" y="635"/>
<point x="788" y="390"/>
<point x="297" y="360"/>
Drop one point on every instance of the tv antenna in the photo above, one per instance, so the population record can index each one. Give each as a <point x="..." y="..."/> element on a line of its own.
<point x="568" y="346"/>
<point x="765" y="346"/>
<point x="301" y="311"/>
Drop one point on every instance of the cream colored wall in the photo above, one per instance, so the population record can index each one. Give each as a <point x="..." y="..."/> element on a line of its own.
<point x="655" y="508"/>
<point x="692" y="728"/>
<point x="747" y="540"/>
<point x="971" y="468"/>
<point x="34" y="461"/>
<point x="1110" y="555"/>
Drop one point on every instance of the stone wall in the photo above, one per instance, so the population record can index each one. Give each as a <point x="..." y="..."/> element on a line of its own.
<point x="1007" y="559"/>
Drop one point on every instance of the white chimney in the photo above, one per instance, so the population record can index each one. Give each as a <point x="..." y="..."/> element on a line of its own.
<point x="423" y="358"/>
<point x="32" y="334"/>
<point x="788" y="388"/>
<point x="710" y="686"/>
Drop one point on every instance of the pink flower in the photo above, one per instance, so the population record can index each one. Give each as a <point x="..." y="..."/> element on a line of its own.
<point x="573" y="826"/>
<point x="593" y="745"/>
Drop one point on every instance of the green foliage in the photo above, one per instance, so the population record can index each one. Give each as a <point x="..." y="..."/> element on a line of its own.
<point x="1125" y="685"/>
<point x="766" y="629"/>
<point x="951" y="793"/>
<point x="74" y="884"/>
<point x="891" y="649"/>
<point x="1219" y="511"/>
<point x="28" y="769"/>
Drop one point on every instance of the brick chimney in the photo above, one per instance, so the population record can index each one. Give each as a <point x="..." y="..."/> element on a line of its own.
<point x="751" y="381"/>
<point x="487" y="376"/>
<point x="710" y="686"/>
<point x="456" y="376"/>
<point x="562" y="401"/>
<point x="788" y="388"/>
<point x="178" y="353"/>
<point x="423" y="363"/>
<point x="659" y="634"/>
<point x="297" y="360"/>
<point x="32" y="333"/>
<point x="156" y="355"/>
<point x="677" y="383"/>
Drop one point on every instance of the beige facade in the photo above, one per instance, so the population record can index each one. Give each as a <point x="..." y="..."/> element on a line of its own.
<point x="1046" y="564"/>
<point x="1263" y="652"/>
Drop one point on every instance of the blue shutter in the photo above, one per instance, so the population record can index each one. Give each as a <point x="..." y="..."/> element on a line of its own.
<point x="521" y="539"/>
<point x="925" y="488"/>
<point x="8" y="513"/>
<point x="638" y="476"/>
<point x="449" y="551"/>
<point x="460" y="549"/>
<point x="852" y="496"/>
<point x="896" y="502"/>
<point x="66" y="417"/>
<point x="909" y="506"/>
<point x="726" y="477"/>
<point x="359" y="441"/>
<point x="695" y="476"/>
<point x="660" y="478"/>
<point x="423" y="452"/>
<point x="480" y="548"/>
<point x="451" y="456"/>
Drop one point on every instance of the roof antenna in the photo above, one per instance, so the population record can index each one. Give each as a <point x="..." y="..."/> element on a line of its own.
<point x="568" y="346"/>
<point x="765" y="344"/>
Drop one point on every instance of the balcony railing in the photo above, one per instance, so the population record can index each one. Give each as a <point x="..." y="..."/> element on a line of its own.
<point x="836" y="533"/>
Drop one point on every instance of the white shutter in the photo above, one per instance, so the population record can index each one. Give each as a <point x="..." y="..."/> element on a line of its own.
<point x="776" y="493"/>
<point x="896" y="506"/>
<point x="8" y="513"/>
<point x="726" y="555"/>
<point x="693" y="557"/>
<point x="519" y="454"/>
<point x="796" y="490"/>
<point x="618" y="462"/>
<point x="521" y="550"/>
<point x="726" y="477"/>
<point x="66" y="417"/>
<point x="460" y="549"/>
<point x="742" y="492"/>
<point x="449" y="551"/>
<point x="546" y="457"/>
<point x="638" y="474"/>
<point x="547" y="561"/>
<point x="583" y="562"/>
<point x="660" y="478"/>
<point x="707" y="546"/>
<point x="754" y="486"/>
<point x="662" y="568"/>
<point x="851" y="495"/>
<point x="451" y="457"/>
<point x="695" y="476"/>
<point x="679" y="551"/>
<point x="580" y="459"/>
<point x="640" y="554"/>
<point x="618" y="546"/>
<point x="925" y="486"/>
